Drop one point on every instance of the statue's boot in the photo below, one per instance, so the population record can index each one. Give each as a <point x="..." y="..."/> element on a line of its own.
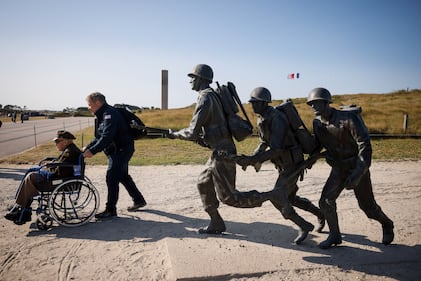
<point x="281" y="202"/>
<point x="305" y="228"/>
<point x="334" y="237"/>
<point x="306" y="205"/>
<point x="387" y="225"/>
<point x="388" y="234"/>
<point x="332" y="240"/>
<point x="216" y="225"/>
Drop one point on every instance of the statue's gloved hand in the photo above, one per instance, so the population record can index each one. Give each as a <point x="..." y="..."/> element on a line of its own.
<point x="315" y="155"/>
<point x="354" y="178"/>
<point x="201" y="142"/>
<point x="257" y="166"/>
<point x="331" y="161"/>
<point x="171" y="134"/>
<point x="166" y="132"/>
<point x="244" y="161"/>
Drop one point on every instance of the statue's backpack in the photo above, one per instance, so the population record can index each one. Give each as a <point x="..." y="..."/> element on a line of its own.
<point x="352" y="108"/>
<point x="239" y="128"/>
<point x="302" y="134"/>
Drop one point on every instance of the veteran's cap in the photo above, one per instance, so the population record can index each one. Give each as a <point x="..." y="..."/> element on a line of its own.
<point x="62" y="134"/>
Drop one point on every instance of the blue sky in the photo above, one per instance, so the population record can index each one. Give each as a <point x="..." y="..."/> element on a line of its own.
<point x="53" y="53"/>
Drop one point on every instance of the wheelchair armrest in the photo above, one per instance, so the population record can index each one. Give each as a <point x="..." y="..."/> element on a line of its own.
<point x="77" y="170"/>
<point x="58" y="164"/>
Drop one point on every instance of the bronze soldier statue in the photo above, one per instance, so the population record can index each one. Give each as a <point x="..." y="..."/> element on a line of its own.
<point x="278" y="144"/>
<point x="348" y="151"/>
<point x="209" y="128"/>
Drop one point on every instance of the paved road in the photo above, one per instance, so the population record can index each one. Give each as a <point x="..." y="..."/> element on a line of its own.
<point x="18" y="137"/>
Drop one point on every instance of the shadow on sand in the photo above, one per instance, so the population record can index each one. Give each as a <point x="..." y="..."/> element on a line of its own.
<point x="371" y="262"/>
<point x="12" y="173"/>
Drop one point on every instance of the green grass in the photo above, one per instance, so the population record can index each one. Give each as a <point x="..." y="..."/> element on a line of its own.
<point x="173" y="152"/>
<point x="383" y="113"/>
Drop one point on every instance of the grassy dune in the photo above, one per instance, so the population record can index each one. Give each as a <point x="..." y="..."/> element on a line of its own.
<point x="383" y="113"/>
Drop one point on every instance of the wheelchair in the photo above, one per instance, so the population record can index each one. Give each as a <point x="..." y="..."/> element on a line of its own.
<point x="73" y="201"/>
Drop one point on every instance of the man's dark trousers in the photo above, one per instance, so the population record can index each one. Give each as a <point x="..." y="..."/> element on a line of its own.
<point x="118" y="172"/>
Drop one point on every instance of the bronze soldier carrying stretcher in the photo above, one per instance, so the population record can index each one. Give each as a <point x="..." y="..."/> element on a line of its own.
<point x="344" y="136"/>
<point x="209" y="127"/>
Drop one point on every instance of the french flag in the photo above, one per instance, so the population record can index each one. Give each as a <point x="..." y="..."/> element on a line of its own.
<point x="293" y="75"/>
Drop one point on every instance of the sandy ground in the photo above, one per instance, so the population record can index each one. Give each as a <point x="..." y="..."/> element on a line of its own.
<point x="161" y="242"/>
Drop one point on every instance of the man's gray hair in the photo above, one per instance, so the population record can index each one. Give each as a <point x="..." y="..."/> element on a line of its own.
<point x="96" y="96"/>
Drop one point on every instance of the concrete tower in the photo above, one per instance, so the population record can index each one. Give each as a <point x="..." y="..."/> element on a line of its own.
<point x="164" y="89"/>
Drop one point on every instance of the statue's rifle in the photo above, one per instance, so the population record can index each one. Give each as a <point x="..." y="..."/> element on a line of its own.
<point x="150" y="131"/>
<point x="234" y="93"/>
<point x="158" y="132"/>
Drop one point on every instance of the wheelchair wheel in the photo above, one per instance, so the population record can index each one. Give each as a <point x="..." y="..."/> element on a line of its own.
<point x="74" y="202"/>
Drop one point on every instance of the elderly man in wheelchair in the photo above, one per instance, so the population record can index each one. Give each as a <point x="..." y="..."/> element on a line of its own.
<point x="64" y="194"/>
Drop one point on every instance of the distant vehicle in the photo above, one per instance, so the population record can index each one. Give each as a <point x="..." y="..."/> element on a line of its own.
<point x="36" y="113"/>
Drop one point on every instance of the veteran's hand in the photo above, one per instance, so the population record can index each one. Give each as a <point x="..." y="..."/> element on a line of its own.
<point x="87" y="153"/>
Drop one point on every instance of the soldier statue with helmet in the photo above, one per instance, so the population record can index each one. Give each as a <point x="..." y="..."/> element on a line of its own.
<point x="278" y="144"/>
<point x="345" y="138"/>
<point x="209" y="128"/>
